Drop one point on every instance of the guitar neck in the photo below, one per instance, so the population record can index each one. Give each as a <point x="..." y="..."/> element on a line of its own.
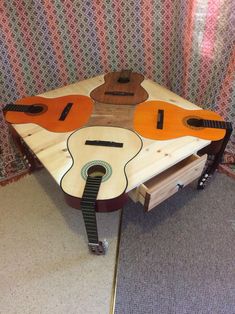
<point x="215" y="124"/>
<point x="88" y="207"/>
<point x="18" y="108"/>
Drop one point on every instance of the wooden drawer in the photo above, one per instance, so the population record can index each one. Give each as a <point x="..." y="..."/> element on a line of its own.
<point x="159" y="188"/>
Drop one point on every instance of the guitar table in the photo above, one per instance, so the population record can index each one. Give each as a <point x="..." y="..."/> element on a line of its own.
<point x="155" y="157"/>
<point x="160" y="169"/>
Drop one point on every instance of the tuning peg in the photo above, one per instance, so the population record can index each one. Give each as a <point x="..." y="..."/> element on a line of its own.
<point x="180" y="186"/>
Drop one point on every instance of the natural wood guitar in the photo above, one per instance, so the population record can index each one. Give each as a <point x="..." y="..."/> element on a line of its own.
<point x="97" y="178"/>
<point x="121" y="88"/>
<point x="60" y="114"/>
<point x="103" y="150"/>
<point x="160" y="120"/>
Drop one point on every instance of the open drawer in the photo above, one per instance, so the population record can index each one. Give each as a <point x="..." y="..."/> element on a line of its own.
<point x="162" y="186"/>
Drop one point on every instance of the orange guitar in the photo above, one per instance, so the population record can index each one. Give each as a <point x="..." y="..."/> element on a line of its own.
<point x="121" y="88"/>
<point x="61" y="114"/>
<point x="160" y="120"/>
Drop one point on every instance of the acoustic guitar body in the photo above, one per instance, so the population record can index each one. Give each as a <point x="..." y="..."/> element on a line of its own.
<point x="105" y="150"/>
<point x="60" y="114"/>
<point x="121" y="88"/>
<point x="160" y="120"/>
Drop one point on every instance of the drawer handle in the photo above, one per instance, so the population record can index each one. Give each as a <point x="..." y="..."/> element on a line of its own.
<point x="180" y="186"/>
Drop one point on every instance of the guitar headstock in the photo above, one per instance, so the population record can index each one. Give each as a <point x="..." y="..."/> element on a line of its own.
<point x="99" y="248"/>
<point x="202" y="181"/>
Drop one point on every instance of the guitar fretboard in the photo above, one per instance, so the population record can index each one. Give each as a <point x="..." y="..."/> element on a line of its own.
<point x="15" y="107"/>
<point x="88" y="207"/>
<point x="216" y="124"/>
<point x="33" y="109"/>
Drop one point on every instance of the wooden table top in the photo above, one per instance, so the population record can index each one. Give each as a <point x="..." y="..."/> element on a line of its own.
<point x="155" y="156"/>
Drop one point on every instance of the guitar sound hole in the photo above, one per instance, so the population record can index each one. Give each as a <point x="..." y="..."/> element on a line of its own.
<point x="96" y="171"/>
<point x="123" y="80"/>
<point x="195" y="122"/>
<point x="36" y="109"/>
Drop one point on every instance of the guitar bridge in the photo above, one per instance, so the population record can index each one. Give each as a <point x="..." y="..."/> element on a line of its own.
<point x="103" y="143"/>
<point x="160" y="119"/>
<point x="119" y="93"/>
<point x="65" y="111"/>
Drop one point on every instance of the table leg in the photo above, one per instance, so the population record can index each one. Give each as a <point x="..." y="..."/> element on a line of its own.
<point x="33" y="161"/>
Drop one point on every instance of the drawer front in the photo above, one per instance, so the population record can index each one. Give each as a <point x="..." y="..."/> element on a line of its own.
<point x="159" y="188"/>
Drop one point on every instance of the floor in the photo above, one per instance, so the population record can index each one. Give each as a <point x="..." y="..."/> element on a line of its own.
<point x="45" y="266"/>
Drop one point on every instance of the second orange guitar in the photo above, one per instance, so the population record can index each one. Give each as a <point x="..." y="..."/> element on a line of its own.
<point x="61" y="114"/>
<point x="160" y="120"/>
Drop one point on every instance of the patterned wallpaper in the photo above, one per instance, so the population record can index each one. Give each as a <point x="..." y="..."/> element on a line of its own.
<point x="187" y="46"/>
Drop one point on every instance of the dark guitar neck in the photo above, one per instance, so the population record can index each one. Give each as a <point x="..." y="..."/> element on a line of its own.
<point x="215" y="124"/>
<point x="88" y="211"/>
<point x="217" y="157"/>
<point x="23" y="108"/>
